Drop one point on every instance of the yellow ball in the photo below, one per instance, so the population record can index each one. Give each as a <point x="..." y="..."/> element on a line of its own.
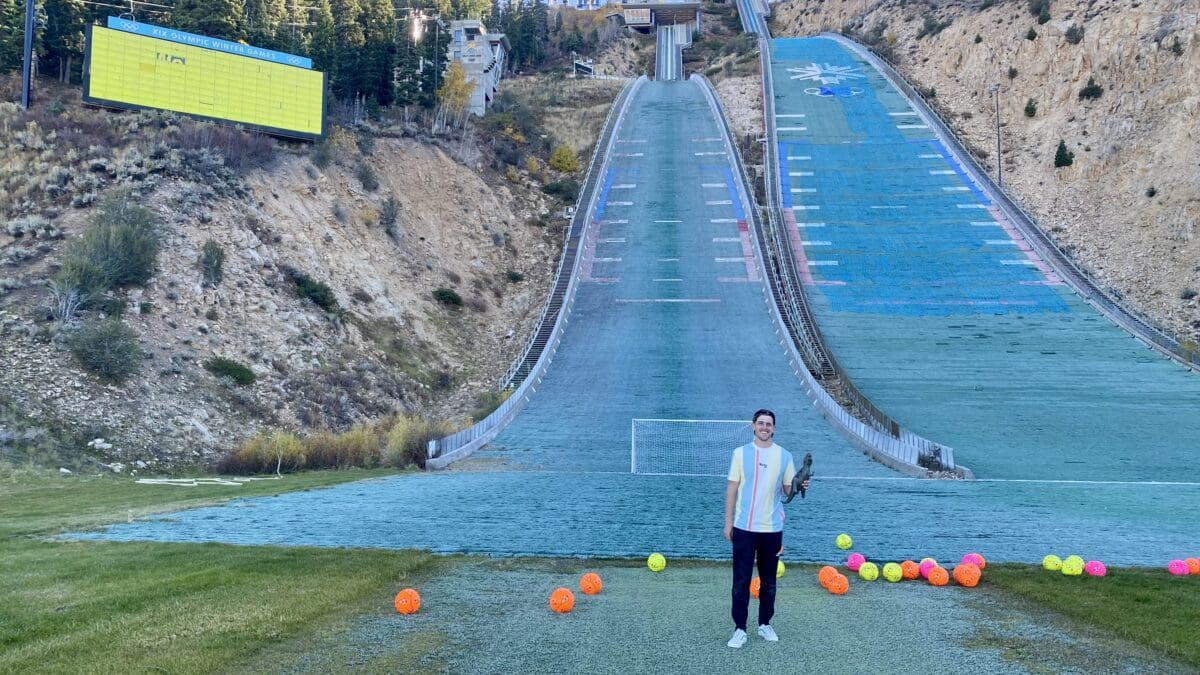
<point x="1072" y="566"/>
<point x="891" y="571"/>
<point x="844" y="541"/>
<point x="780" y="569"/>
<point x="656" y="562"/>
<point x="868" y="571"/>
<point x="1052" y="563"/>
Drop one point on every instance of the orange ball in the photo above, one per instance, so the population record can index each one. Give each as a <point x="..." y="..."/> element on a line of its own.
<point x="838" y="585"/>
<point x="562" y="600"/>
<point x="1193" y="565"/>
<point x="910" y="570"/>
<point x="590" y="583"/>
<point x="966" y="575"/>
<point x="408" y="601"/>
<point x="825" y="574"/>
<point x="982" y="562"/>
<point x="755" y="586"/>
<point x="938" y="576"/>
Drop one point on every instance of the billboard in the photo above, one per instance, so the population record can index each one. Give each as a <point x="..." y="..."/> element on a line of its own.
<point x="130" y="70"/>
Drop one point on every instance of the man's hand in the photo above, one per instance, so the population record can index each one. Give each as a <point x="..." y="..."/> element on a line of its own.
<point x="729" y="531"/>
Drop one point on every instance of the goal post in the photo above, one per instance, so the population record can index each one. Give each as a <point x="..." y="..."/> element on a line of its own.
<point x="672" y="447"/>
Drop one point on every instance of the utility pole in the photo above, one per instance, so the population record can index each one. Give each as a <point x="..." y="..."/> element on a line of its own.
<point x="27" y="65"/>
<point x="995" y="91"/>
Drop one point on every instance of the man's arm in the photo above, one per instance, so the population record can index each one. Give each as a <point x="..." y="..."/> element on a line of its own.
<point x="731" y="489"/>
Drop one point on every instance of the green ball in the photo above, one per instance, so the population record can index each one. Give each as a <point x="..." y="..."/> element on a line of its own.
<point x="780" y="569"/>
<point x="656" y="562"/>
<point x="844" y="541"/>
<point x="891" y="572"/>
<point x="868" y="571"/>
<point x="1052" y="563"/>
<point x="1072" y="568"/>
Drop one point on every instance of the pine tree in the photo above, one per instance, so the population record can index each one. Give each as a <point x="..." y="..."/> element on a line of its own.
<point x="12" y="34"/>
<point x="379" y="50"/>
<point x="1063" y="157"/>
<point x="225" y="19"/>
<point x="264" y="22"/>
<point x="322" y="40"/>
<point x="62" y="39"/>
<point x="293" y="33"/>
<point x="408" y="57"/>
<point x="348" y="48"/>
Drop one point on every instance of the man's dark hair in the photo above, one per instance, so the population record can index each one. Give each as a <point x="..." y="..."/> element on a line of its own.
<point x="760" y="412"/>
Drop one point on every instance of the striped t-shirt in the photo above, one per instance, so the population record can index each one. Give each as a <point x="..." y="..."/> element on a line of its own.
<point x="760" y="474"/>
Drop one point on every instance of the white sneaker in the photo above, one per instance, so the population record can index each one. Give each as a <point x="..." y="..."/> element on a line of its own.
<point x="768" y="633"/>
<point x="738" y="639"/>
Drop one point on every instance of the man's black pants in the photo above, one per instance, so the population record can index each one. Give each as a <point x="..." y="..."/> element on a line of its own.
<point x="746" y="545"/>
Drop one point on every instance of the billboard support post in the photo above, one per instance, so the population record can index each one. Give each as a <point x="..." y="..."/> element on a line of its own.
<point x="27" y="65"/>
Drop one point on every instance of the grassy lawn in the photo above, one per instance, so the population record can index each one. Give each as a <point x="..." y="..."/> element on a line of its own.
<point x="122" y="607"/>
<point x="1145" y="606"/>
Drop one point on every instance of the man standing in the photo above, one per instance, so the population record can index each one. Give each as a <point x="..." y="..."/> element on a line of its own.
<point x="760" y="474"/>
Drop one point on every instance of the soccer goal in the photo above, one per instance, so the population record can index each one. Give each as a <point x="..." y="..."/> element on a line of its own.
<point x="685" y="447"/>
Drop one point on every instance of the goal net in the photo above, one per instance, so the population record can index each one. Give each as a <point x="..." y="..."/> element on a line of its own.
<point x="685" y="447"/>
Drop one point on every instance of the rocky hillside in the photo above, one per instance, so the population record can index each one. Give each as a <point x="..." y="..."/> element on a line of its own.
<point x="1128" y="208"/>
<point x="381" y="271"/>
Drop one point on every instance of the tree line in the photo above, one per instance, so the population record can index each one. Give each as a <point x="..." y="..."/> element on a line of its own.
<point x="386" y="52"/>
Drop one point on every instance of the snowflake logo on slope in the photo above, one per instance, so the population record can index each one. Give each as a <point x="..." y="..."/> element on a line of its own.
<point x="825" y="74"/>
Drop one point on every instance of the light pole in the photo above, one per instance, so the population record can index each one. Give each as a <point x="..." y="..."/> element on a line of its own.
<point x="994" y="90"/>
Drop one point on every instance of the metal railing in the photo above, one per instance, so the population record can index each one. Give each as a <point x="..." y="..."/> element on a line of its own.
<point x="535" y="358"/>
<point x="892" y="446"/>
<point x="1083" y="282"/>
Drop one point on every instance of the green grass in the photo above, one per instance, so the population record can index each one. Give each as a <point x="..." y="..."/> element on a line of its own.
<point x="1148" y="607"/>
<point x="137" y="607"/>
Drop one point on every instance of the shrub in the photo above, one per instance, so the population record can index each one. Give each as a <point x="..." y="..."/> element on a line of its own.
<point x="512" y="175"/>
<point x="358" y="447"/>
<point x="119" y="248"/>
<point x="388" y="212"/>
<point x="533" y="166"/>
<point x="266" y="452"/>
<point x="567" y="190"/>
<point x="241" y="150"/>
<point x="1187" y="294"/>
<point x="1031" y="108"/>
<point x="1151" y="191"/>
<point x="408" y="440"/>
<point x="1063" y="157"/>
<point x="108" y="348"/>
<point x="307" y="287"/>
<point x="514" y="276"/>
<point x="488" y="402"/>
<point x="1091" y="90"/>
<point x="1031" y="35"/>
<point x="1177" y="47"/>
<point x="212" y="263"/>
<point x="1074" y="34"/>
<point x="563" y="159"/>
<point x="321" y="154"/>
<point x="1044" y="14"/>
<point x="1012" y="72"/>
<point x="367" y="176"/>
<point x="978" y="38"/>
<point x="448" y="297"/>
<point x="223" y="367"/>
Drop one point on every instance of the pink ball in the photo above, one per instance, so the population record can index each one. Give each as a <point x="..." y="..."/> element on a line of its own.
<point x="926" y="565"/>
<point x="1095" y="568"/>
<point x="1177" y="567"/>
<point x="856" y="560"/>
<point x="973" y="559"/>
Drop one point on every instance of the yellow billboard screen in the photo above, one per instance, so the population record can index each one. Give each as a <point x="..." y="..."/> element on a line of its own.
<point x="127" y="70"/>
